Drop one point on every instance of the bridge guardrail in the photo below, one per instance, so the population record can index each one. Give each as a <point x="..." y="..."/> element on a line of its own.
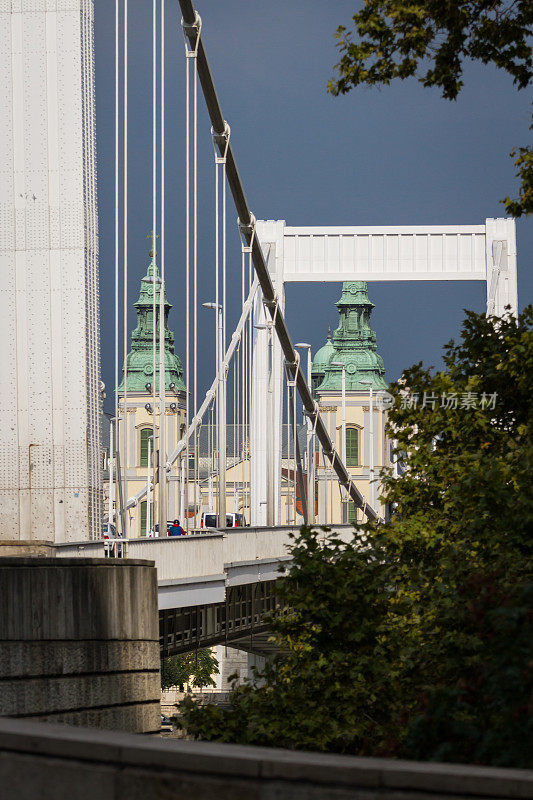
<point x="206" y="554"/>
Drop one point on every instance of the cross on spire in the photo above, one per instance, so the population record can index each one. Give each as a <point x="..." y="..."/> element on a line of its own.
<point x="153" y="236"/>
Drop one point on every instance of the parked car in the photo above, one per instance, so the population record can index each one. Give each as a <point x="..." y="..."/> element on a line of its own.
<point x="114" y="545"/>
<point x="154" y="532"/>
<point x="209" y="520"/>
<point x="110" y="531"/>
<point x="166" y="723"/>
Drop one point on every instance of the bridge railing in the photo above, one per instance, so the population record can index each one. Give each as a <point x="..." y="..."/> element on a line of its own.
<point x="196" y="555"/>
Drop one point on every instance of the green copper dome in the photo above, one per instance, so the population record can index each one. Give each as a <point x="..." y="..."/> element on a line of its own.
<point x="322" y="357"/>
<point x="320" y="361"/>
<point x="354" y="343"/>
<point x="140" y="358"/>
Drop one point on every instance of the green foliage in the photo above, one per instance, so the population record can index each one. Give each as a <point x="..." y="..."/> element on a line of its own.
<point x="396" y="38"/>
<point x="524" y="162"/>
<point x="196" y="668"/>
<point x="415" y="639"/>
<point x="327" y="692"/>
<point x="463" y="539"/>
<point x="432" y="39"/>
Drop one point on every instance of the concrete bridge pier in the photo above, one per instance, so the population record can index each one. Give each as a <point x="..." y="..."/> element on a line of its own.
<point x="79" y="642"/>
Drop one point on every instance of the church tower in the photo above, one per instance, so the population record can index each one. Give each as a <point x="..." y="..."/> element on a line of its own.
<point x="352" y="351"/>
<point x="354" y="343"/>
<point x="139" y="434"/>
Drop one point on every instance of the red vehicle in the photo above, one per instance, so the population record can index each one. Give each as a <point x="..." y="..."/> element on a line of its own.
<point x="209" y="520"/>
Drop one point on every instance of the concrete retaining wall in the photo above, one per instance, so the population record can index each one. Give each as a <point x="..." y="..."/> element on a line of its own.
<point x="24" y="547"/>
<point x="52" y="761"/>
<point x="79" y="642"/>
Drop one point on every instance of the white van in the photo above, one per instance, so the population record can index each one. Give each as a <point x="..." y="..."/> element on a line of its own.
<point x="209" y="520"/>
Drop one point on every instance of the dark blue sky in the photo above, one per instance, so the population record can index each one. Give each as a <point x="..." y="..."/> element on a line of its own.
<point x="401" y="155"/>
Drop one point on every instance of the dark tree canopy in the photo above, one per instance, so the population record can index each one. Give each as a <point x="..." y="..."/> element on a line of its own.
<point x="432" y="39"/>
<point x="415" y="639"/>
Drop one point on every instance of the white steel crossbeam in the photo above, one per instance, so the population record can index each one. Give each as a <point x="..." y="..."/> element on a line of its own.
<point x="385" y="253"/>
<point x="401" y="253"/>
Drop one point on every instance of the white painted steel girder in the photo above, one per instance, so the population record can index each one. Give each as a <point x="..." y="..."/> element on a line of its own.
<point x="400" y="253"/>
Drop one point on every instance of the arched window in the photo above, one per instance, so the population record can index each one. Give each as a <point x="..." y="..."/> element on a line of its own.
<point x="352" y="447"/>
<point x="142" y="532"/>
<point x="146" y="433"/>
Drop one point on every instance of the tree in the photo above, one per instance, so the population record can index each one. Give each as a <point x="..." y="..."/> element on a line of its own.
<point x="524" y="162"/>
<point x="432" y="39"/>
<point x="196" y="668"/>
<point x="415" y="639"/>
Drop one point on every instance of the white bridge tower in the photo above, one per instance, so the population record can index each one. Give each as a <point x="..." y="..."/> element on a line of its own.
<point x="50" y="473"/>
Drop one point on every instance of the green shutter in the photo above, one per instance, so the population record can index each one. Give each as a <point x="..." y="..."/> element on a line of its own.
<point x="352" y="512"/>
<point x="143" y="518"/>
<point x="146" y="433"/>
<point x="352" y="447"/>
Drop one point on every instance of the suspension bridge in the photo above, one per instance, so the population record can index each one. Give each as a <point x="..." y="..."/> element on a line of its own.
<point x="268" y="444"/>
<point x="259" y="370"/>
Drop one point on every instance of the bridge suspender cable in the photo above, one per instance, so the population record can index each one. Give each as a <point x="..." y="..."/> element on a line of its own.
<point x="162" y="369"/>
<point x="155" y="440"/>
<point x="241" y="398"/>
<point x="113" y="473"/>
<point x="220" y="316"/>
<point x="195" y="278"/>
<point x="191" y="54"/>
<point x="125" y="526"/>
<point x="191" y="30"/>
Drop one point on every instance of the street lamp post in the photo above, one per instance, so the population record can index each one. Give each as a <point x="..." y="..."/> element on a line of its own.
<point x="310" y="446"/>
<point x="343" y="434"/>
<point x="221" y="415"/>
<point x="111" y="507"/>
<point x="371" y="437"/>
<point x="148" y="489"/>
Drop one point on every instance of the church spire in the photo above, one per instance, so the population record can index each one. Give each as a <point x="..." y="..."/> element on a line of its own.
<point x="140" y="357"/>
<point x="354" y="343"/>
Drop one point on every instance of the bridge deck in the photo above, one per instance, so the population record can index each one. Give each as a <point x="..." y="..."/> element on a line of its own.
<point x="198" y="570"/>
